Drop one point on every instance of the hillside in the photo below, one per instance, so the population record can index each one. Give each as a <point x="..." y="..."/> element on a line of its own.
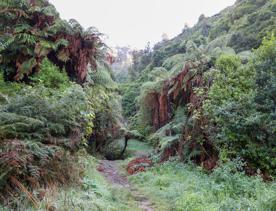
<point x="240" y="27"/>
<point x="211" y="36"/>
<point x="193" y="84"/>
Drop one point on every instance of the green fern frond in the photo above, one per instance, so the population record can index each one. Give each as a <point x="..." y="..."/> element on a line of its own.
<point x="102" y="77"/>
<point x="25" y="38"/>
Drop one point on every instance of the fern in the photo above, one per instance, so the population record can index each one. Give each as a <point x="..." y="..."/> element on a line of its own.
<point x="21" y="28"/>
<point x="3" y="98"/>
<point x="102" y="77"/>
<point x="27" y="39"/>
<point x="166" y="142"/>
<point x="38" y="31"/>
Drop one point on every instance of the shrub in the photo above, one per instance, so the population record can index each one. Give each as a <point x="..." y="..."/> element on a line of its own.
<point x="51" y="76"/>
<point x="241" y="104"/>
<point x="38" y="113"/>
<point x="129" y="95"/>
<point x="8" y="88"/>
<point x="38" y="128"/>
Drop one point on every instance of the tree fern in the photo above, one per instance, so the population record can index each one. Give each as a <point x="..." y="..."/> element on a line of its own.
<point x="38" y="32"/>
<point x="102" y="77"/>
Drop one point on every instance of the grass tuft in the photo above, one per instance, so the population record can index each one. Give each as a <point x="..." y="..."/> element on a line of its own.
<point x="176" y="186"/>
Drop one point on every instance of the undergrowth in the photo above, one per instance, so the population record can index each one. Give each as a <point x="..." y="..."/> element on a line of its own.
<point x="175" y="186"/>
<point x="92" y="192"/>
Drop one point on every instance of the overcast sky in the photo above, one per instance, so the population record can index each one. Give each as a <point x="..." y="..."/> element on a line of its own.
<point x="135" y="22"/>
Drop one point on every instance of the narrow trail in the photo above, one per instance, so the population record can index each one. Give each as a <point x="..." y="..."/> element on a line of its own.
<point x="114" y="174"/>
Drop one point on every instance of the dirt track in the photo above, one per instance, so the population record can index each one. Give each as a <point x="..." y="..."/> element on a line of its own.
<point x="115" y="175"/>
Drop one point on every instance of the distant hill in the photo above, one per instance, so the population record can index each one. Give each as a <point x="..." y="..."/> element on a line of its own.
<point x="240" y="27"/>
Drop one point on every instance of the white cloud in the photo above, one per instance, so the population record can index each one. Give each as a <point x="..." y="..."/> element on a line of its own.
<point x="135" y="22"/>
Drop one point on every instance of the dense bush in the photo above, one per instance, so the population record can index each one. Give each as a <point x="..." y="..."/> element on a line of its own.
<point x="51" y="76"/>
<point x="38" y="128"/>
<point x="44" y="120"/>
<point x="129" y="103"/>
<point x="221" y="28"/>
<point x="38" y="32"/>
<point x="43" y="125"/>
<point x="242" y="104"/>
<point x="8" y="88"/>
<point x="27" y="165"/>
<point x="242" y="42"/>
<point x="104" y="101"/>
<point x="44" y="116"/>
<point x="38" y="113"/>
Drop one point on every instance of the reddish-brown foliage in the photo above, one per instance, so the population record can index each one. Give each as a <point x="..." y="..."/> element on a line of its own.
<point x="180" y="91"/>
<point x="33" y="168"/>
<point x="177" y="90"/>
<point x="138" y="165"/>
<point x="44" y="38"/>
<point x="78" y="55"/>
<point x="110" y="58"/>
<point x="168" y="152"/>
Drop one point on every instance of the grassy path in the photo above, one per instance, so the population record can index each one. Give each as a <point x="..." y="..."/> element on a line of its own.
<point x="113" y="172"/>
<point x="106" y="190"/>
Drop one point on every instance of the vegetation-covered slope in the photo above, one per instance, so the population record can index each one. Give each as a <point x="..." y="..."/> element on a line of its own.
<point x="57" y="95"/>
<point x="241" y="27"/>
<point x="206" y="94"/>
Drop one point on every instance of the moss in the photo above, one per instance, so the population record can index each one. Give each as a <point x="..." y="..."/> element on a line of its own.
<point x="113" y="151"/>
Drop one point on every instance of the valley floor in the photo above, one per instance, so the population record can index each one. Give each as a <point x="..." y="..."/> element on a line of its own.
<point x="116" y="175"/>
<point x="169" y="186"/>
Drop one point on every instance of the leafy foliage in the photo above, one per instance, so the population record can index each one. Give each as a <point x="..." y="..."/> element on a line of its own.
<point x="38" y="126"/>
<point x="34" y="115"/>
<point x="238" y="116"/>
<point x="129" y="93"/>
<point x="193" y="95"/>
<point x="33" y="164"/>
<point x="37" y="32"/>
<point x="241" y="102"/>
<point x="105" y="104"/>
<point x="50" y="76"/>
<point x="44" y="121"/>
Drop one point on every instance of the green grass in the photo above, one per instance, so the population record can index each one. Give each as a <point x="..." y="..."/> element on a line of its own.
<point x="93" y="193"/>
<point x="174" y="186"/>
<point x="137" y="148"/>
